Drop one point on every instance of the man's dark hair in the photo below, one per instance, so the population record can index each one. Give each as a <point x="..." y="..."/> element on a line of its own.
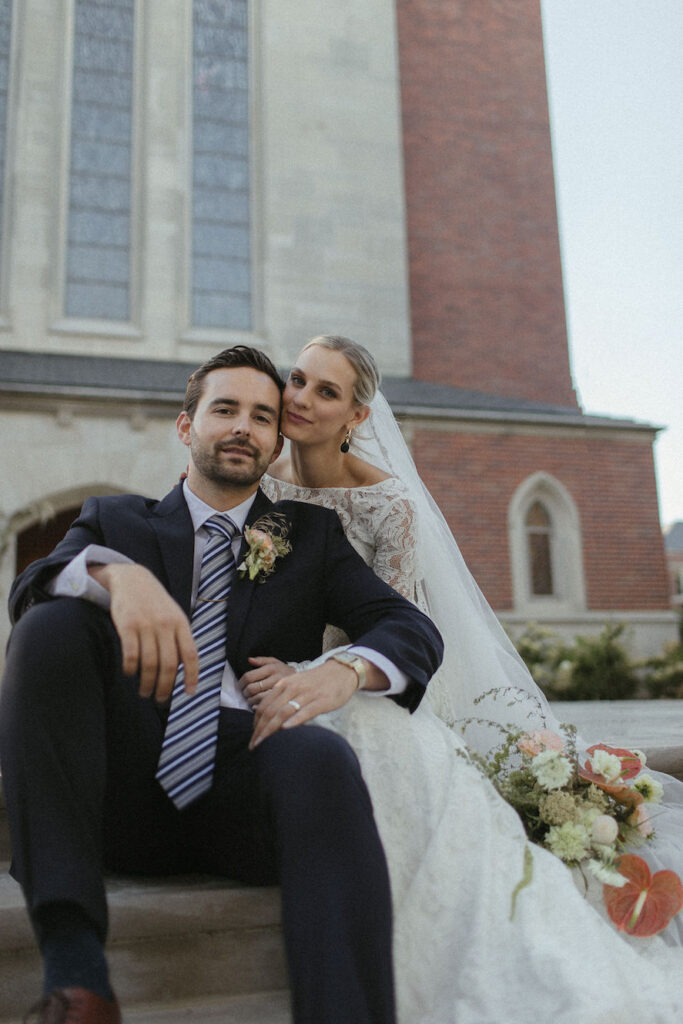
<point x="228" y="359"/>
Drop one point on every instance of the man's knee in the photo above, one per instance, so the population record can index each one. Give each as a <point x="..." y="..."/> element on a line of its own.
<point x="57" y="639"/>
<point x="58" y="624"/>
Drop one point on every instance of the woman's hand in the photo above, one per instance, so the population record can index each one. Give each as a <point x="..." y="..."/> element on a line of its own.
<point x="301" y="696"/>
<point x="256" y="683"/>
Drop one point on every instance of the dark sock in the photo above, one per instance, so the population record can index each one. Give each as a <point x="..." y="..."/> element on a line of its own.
<point x="73" y="955"/>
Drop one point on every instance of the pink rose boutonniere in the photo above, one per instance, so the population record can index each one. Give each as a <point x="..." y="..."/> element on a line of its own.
<point x="267" y="540"/>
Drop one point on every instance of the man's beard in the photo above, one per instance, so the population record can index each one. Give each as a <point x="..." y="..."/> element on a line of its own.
<point x="211" y="464"/>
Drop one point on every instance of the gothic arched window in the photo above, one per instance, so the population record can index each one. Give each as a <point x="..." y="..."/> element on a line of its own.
<point x="539" y="540"/>
<point x="546" y="555"/>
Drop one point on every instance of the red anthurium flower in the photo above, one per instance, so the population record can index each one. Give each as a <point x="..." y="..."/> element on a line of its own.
<point x="631" y="765"/>
<point x="618" y="790"/>
<point x="646" y="904"/>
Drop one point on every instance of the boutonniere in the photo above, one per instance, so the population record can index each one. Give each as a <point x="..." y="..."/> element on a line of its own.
<point x="267" y="540"/>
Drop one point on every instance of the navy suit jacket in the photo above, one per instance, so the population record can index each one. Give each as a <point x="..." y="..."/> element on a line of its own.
<point x="322" y="580"/>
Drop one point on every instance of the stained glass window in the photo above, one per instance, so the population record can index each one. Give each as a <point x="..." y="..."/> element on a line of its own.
<point x="99" y="231"/>
<point x="221" y="259"/>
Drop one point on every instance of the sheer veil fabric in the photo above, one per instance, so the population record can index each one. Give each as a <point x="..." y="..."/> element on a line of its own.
<point x="483" y="683"/>
<point x="483" y="679"/>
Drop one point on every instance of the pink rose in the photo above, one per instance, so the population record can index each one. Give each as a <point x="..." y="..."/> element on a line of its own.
<point x="605" y="829"/>
<point x="640" y="819"/>
<point x="538" y="740"/>
<point x="265" y="547"/>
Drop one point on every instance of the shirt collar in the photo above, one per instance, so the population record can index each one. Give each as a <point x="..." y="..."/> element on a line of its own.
<point x="200" y="511"/>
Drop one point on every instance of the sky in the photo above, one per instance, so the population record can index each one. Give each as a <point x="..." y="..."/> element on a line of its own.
<point x="615" y="92"/>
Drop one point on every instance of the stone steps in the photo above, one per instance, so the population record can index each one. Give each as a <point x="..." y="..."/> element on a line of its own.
<point x="262" y="1008"/>
<point x="172" y="942"/>
<point x="180" y="949"/>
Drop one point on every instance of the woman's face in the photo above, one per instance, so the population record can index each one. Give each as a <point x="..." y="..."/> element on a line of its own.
<point x="318" y="403"/>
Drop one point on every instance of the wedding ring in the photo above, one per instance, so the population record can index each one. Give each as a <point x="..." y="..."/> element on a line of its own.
<point x="260" y="685"/>
<point x="295" y="704"/>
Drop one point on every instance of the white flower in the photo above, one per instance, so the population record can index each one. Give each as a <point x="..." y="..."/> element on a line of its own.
<point x="606" y="873"/>
<point x="588" y="814"/>
<point x="605" y="829"/>
<point x="606" y="852"/>
<point x="569" y="841"/>
<point x="650" y="789"/>
<point x="606" y="764"/>
<point x="551" y="769"/>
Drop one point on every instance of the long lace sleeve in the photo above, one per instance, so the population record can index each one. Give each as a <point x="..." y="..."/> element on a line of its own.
<point x="395" y="557"/>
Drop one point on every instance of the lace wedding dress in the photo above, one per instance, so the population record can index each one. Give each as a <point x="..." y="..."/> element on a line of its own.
<point x="456" y="852"/>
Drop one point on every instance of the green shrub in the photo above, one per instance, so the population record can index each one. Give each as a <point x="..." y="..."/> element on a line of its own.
<point x="664" y="675"/>
<point x="587" y="668"/>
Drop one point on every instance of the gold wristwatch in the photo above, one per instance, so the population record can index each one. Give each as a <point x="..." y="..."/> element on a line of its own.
<point x="354" y="662"/>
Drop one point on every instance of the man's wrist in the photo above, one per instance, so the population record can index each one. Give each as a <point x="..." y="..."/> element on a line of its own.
<point x="107" y="574"/>
<point x="356" y="664"/>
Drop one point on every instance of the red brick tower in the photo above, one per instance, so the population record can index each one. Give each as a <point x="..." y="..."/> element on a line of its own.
<point x="485" y="275"/>
<point x="488" y="316"/>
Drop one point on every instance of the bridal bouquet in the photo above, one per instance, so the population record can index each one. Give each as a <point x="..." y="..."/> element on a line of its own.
<point x="587" y="814"/>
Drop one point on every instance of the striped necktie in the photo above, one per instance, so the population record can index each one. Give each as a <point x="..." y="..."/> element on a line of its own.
<point x="188" y="751"/>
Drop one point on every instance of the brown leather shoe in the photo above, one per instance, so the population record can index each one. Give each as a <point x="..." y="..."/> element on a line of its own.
<point x="74" y="1006"/>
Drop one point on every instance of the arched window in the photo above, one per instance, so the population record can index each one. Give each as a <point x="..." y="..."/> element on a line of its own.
<point x="545" y="549"/>
<point x="539" y="538"/>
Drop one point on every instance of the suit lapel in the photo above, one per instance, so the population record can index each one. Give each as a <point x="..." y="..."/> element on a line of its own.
<point x="243" y="588"/>
<point x="172" y="525"/>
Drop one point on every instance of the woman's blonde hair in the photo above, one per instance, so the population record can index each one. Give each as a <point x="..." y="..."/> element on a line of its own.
<point x="367" y="374"/>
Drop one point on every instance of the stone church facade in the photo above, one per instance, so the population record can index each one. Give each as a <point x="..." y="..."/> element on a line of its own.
<point x="180" y="176"/>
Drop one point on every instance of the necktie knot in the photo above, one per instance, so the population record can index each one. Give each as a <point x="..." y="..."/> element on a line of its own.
<point x="221" y="524"/>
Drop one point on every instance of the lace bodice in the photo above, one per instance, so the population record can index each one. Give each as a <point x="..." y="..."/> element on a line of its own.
<point x="379" y="520"/>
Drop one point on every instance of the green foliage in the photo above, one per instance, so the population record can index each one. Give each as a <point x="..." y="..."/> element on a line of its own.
<point x="664" y="674"/>
<point x="587" y="668"/>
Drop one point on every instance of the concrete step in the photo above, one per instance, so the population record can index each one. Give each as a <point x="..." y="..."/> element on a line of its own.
<point x="172" y="942"/>
<point x="653" y="726"/>
<point x="260" y="1008"/>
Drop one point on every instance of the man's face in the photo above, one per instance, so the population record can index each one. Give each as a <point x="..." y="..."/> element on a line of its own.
<point x="234" y="435"/>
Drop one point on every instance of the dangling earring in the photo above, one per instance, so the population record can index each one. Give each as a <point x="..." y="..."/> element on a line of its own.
<point x="345" y="445"/>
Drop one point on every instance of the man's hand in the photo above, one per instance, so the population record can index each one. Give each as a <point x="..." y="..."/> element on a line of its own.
<point x="296" y="698"/>
<point x="154" y="631"/>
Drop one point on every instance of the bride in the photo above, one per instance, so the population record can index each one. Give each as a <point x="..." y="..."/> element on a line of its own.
<point x="456" y="850"/>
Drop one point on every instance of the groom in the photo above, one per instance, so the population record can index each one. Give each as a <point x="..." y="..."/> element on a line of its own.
<point x="98" y="774"/>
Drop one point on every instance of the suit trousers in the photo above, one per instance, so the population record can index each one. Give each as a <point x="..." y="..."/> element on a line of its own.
<point x="79" y="749"/>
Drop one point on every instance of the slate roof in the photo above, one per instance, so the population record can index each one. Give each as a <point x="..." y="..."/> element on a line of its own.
<point x="144" y="379"/>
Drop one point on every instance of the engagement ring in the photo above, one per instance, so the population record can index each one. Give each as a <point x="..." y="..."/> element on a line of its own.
<point x="295" y="704"/>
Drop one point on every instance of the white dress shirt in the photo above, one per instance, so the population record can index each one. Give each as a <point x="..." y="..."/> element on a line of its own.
<point x="74" y="580"/>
